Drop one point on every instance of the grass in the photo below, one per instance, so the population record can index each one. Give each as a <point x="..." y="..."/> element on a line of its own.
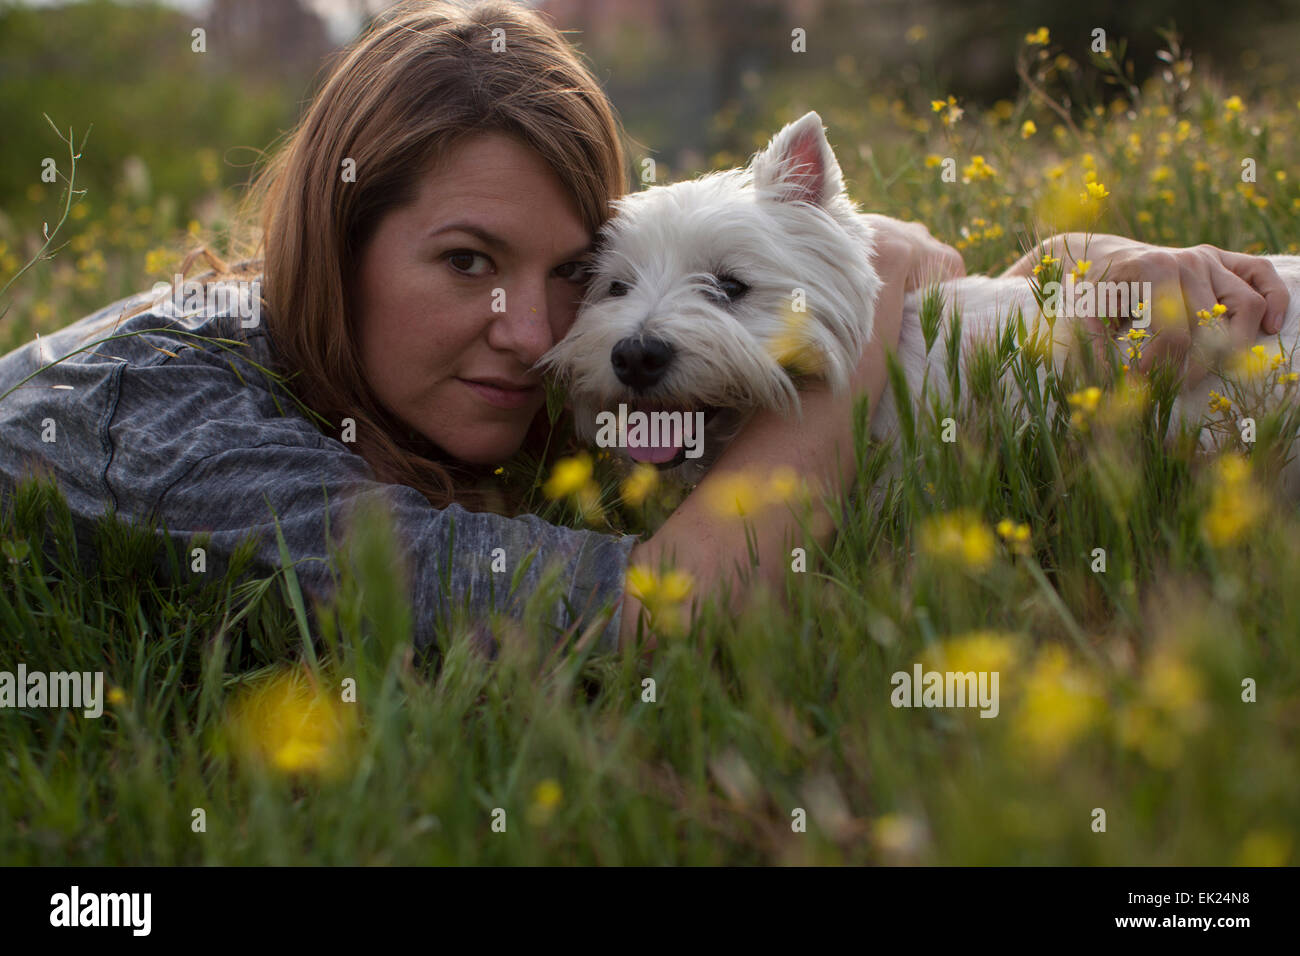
<point x="1161" y="690"/>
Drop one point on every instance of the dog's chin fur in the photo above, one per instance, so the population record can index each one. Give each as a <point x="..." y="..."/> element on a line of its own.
<point x="784" y="227"/>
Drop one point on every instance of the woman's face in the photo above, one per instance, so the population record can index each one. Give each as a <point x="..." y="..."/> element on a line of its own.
<point x="464" y="289"/>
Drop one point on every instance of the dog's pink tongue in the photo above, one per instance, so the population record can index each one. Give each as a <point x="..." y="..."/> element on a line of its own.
<point x="653" y="454"/>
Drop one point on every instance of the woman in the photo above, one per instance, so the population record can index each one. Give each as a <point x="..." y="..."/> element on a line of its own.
<point x="425" y="229"/>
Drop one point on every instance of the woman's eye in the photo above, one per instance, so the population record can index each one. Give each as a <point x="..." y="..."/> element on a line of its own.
<point x="469" y="263"/>
<point x="617" y="288"/>
<point x="573" y="271"/>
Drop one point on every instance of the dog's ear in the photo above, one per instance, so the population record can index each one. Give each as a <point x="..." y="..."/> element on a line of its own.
<point x="799" y="164"/>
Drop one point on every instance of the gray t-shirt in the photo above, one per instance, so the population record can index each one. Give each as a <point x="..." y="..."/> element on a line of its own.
<point x="180" y="436"/>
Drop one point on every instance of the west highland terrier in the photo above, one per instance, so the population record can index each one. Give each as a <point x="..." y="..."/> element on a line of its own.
<point x="710" y="299"/>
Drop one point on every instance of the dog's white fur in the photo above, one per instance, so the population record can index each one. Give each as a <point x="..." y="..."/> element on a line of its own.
<point x="780" y="224"/>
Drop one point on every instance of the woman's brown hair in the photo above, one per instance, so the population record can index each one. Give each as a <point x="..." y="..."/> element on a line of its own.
<point x="422" y="77"/>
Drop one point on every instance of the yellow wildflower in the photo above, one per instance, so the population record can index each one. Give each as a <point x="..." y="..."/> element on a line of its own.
<point x="1236" y="505"/>
<point x="733" y="495"/>
<point x="290" y="725"/>
<point x="1060" y="704"/>
<point x="1015" y="535"/>
<point x="547" y="796"/>
<point x="983" y="650"/>
<point x="637" y="486"/>
<point x="960" y="538"/>
<point x="569" y="476"/>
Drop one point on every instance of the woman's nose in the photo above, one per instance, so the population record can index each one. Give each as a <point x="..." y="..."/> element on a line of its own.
<point x="523" y="324"/>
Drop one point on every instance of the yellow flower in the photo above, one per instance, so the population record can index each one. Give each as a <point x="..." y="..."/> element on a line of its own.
<point x="1236" y="505"/>
<point x="977" y="651"/>
<point x="662" y="595"/>
<point x="1128" y="400"/>
<point x="1219" y="403"/>
<point x="1060" y="704"/>
<point x="1086" y="399"/>
<point x="1039" y="37"/>
<point x="1027" y="129"/>
<point x="933" y="160"/>
<point x="733" y="495"/>
<point x="1081" y="267"/>
<point x="783" y="485"/>
<point x="637" y="486"/>
<point x="1233" y="104"/>
<point x="915" y="33"/>
<point x="978" y="169"/>
<point x="569" y="476"/>
<point x="1083" y="406"/>
<point x="547" y="796"/>
<point x="292" y="726"/>
<point x="1095" y="191"/>
<point x="649" y="588"/>
<point x="793" y="347"/>
<point x="959" y="538"/>
<point x="1254" y="364"/>
<point x="1172" y="686"/>
<point x="1015" y="535"/>
<point x="117" y="696"/>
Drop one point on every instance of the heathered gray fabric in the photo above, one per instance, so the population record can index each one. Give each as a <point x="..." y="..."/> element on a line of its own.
<point x="185" y="439"/>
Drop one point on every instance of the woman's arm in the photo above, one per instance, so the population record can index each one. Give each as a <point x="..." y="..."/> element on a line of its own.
<point x="820" y="446"/>
<point x="1185" y="281"/>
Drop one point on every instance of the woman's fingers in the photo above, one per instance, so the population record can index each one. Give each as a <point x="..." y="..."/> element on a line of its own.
<point x="1171" y="336"/>
<point x="1246" y="307"/>
<point x="1263" y="278"/>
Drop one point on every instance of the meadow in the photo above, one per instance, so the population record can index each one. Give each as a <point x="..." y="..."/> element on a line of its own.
<point x="1161" y="687"/>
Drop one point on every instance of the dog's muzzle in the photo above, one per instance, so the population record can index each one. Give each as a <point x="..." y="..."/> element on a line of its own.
<point x="640" y="362"/>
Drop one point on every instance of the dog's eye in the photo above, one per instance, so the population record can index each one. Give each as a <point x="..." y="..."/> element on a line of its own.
<point x="617" y="288"/>
<point x="729" y="288"/>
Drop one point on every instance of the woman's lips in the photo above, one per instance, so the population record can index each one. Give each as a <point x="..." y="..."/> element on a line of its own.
<point x="502" y="397"/>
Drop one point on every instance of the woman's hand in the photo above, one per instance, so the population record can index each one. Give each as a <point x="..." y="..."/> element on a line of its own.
<point x="909" y="246"/>
<point x="1183" y="282"/>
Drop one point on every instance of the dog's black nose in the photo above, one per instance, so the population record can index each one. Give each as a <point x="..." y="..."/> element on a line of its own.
<point x="640" y="362"/>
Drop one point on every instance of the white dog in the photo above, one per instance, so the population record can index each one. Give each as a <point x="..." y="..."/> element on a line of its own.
<point x="709" y="297"/>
